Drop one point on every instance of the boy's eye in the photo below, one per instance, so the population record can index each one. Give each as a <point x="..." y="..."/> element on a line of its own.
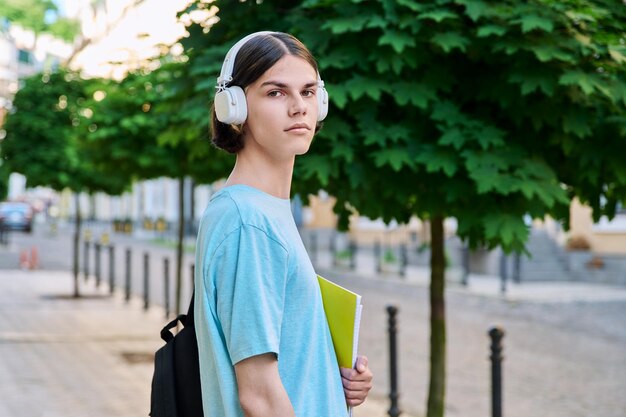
<point x="308" y="93"/>
<point x="274" y="93"/>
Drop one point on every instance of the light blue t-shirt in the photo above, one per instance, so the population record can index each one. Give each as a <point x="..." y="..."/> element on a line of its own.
<point x="257" y="292"/>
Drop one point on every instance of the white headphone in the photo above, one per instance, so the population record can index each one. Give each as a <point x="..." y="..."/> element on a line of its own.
<point x="230" y="102"/>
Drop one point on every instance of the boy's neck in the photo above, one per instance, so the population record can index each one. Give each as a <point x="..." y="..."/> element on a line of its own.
<point x="267" y="176"/>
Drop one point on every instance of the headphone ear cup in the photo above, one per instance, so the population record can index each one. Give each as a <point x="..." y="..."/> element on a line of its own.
<point x="322" y="103"/>
<point x="231" y="106"/>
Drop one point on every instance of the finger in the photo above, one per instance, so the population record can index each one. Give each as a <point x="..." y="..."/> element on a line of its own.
<point x="354" y="395"/>
<point x="361" y="363"/>
<point x="355" y="376"/>
<point x="348" y="373"/>
<point x="355" y="402"/>
<point x="356" y="386"/>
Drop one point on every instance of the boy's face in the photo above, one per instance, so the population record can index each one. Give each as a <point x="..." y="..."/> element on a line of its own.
<point x="282" y="110"/>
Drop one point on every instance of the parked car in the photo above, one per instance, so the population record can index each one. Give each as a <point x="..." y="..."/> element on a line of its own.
<point x="16" y="216"/>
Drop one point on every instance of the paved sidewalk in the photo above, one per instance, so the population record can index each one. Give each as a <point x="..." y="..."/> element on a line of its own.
<point x="92" y="357"/>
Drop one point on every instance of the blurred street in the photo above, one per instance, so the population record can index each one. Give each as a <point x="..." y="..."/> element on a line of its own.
<point x="563" y="346"/>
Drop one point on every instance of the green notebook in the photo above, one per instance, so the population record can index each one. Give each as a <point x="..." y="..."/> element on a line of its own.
<point x="343" y="313"/>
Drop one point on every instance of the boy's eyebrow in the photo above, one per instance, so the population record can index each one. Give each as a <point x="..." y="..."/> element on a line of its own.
<point x="283" y="85"/>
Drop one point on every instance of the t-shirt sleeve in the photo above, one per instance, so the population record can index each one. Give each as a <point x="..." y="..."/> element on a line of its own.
<point x="250" y="275"/>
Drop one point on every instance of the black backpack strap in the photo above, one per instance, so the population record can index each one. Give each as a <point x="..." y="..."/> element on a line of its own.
<point x="185" y="320"/>
<point x="190" y="320"/>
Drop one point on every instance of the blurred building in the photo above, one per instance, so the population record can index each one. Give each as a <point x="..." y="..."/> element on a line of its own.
<point x="23" y="53"/>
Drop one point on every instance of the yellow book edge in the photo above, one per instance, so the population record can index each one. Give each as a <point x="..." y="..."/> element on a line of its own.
<point x="343" y="314"/>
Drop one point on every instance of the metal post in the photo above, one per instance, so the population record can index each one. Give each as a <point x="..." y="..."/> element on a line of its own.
<point x="166" y="280"/>
<point x="86" y="260"/>
<point x="503" y="273"/>
<point x="146" y="282"/>
<point x="333" y="248"/>
<point x="517" y="270"/>
<point x="466" y="264"/>
<point x="496" y="335"/>
<point x="404" y="260"/>
<point x="97" y="261"/>
<point x="313" y="247"/>
<point x="111" y="269"/>
<point x="352" y="248"/>
<point x="379" y="267"/>
<point x="394" y="411"/>
<point x="127" y="277"/>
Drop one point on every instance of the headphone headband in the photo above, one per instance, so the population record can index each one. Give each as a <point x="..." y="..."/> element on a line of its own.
<point x="226" y="74"/>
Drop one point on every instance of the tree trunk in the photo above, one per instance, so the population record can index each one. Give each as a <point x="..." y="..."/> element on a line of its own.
<point x="76" y="251"/>
<point x="437" y="388"/>
<point x="179" y="244"/>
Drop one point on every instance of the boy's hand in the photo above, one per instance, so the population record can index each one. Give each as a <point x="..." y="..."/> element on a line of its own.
<point x="357" y="382"/>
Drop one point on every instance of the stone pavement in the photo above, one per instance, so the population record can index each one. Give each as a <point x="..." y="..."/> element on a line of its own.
<point x="564" y="345"/>
<point x="61" y="357"/>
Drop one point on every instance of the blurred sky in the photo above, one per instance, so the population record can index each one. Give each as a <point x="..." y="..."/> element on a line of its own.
<point x="132" y="39"/>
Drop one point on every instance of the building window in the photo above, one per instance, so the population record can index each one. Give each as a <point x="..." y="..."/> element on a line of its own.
<point x="24" y="56"/>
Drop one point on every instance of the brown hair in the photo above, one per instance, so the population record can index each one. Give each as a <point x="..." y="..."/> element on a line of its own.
<point x="255" y="57"/>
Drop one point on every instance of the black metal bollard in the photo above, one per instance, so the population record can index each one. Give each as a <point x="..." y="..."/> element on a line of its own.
<point x="394" y="411"/>
<point x="404" y="259"/>
<point x="352" y="248"/>
<point x="4" y="234"/>
<point x="97" y="249"/>
<point x="86" y="260"/>
<point x="517" y="270"/>
<point x="314" y="247"/>
<point x="496" y="335"/>
<point x="146" y="280"/>
<point x="466" y="264"/>
<point x="127" y="277"/>
<point x="379" y="267"/>
<point x="166" y="282"/>
<point x="111" y="269"/>
<point x="503" y="273"/>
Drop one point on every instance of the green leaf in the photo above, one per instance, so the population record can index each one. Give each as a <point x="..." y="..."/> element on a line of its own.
<point x="339" y="26"/>
<point x="477" y="9"/>
<point x="618" y="53"/>
<point x="338" y="94"/>
<point x="532" y="22"/>
<point x="488" y="30"/>
<point x="505" y="227"/>
<point x="453" y="137"/>
<point x="318" y="166"/>
<point x="448" y="113"/>
<point x="343" y="150"/>
<point x="450" y="40"/>
<point x="577" y="123"/>
<point x="531" y="80"/>
<point x="398" y="40"/>
<point x="578" y="78"/>
<point x="437" y="15"/>
<point x="417" y="94"/>
<point x="438" y="159"/>
<point x="394" y="157"/>
<point x="490" y="136"/>
<point x="545" y="53"/>
<point x="376" y="22"/>
<point x="413" y="5"/>
<point x="359" y="86"/>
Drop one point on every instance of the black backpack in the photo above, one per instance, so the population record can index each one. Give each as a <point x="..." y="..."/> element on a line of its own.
<point x="176" y="380"/>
